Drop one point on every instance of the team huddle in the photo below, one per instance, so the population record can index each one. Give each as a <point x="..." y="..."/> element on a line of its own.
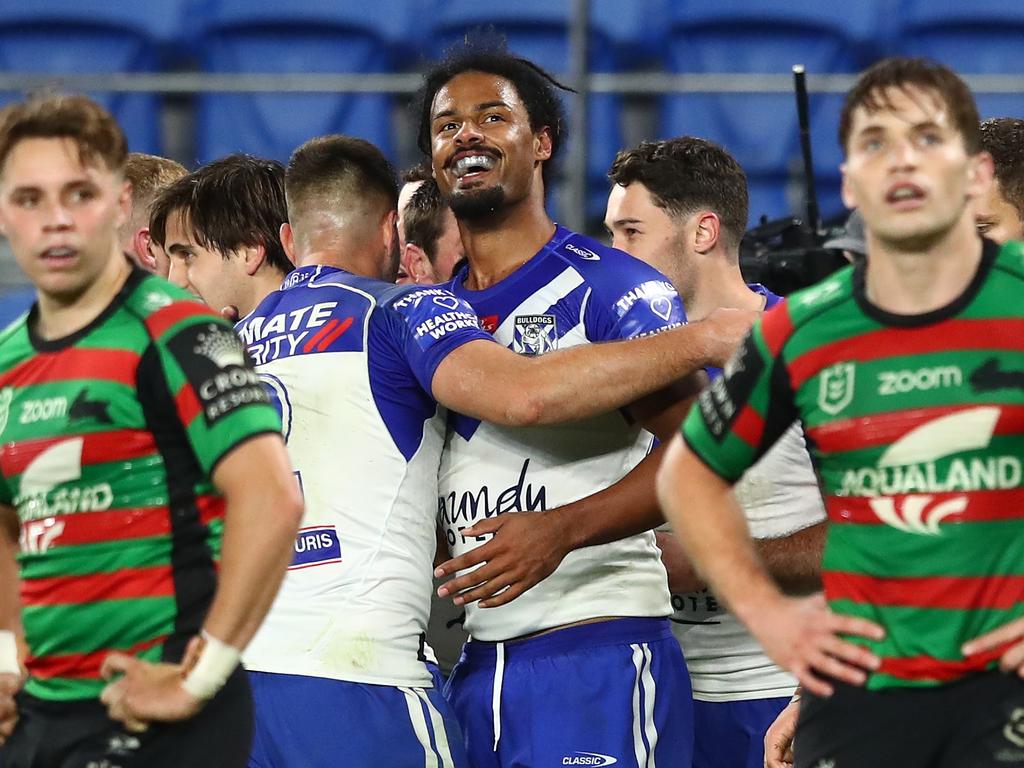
<point x="399" y="477"/>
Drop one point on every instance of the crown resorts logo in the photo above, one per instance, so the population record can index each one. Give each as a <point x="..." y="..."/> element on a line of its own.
<point x="220" y="346"/>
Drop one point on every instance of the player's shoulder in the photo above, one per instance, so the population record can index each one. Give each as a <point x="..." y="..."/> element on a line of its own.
<point x="804" y="305"/>
<point x="14" y="342"/>
<point x="1010" y="260"/>
<point x="162" y="308"/>
<point x="616" y="278"/>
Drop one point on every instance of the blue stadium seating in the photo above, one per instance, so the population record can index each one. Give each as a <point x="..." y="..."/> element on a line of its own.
<point x="93" y="36"/>
<point x="14" y="301"/>
<point x="979" y="37"/>
<point x="735" y="36"/>
<point x="539" y="31"/>
<point x="315" y="36"/>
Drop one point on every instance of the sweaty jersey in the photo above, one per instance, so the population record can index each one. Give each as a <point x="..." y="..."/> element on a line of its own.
<point x="350" y="361"/>
<point x="779" y="495"/>
<point x="108" y="438"/>
<point x="574" y="291"/>
<point x="916" y="425"/>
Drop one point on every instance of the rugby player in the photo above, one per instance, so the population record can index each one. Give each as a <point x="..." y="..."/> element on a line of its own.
<point x="148" y="175"/>
<point x="137" y="451"/>
<point x="583" y="665"/>
<point x="220" y="225"/>
<point x="905" y="373"/>
<point x="356" y="365"/>
<point x="431" y="243"/>
<point x="999" y="215"/>
<point x="681" y="206"/>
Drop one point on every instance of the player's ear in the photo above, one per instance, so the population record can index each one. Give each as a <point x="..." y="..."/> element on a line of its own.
<point x="707" y="232"/>
<point x="141" y="245"/>
<point x="982" y="170"/>
<point x="288" y="241"/>
<point x="254" y="257"/>
<point x="846" y="189"/>
<point x="416" y="264"/>
<point x="389" y="228"/>
<point x="124" y="203"/>
<point x="542" y="144"/>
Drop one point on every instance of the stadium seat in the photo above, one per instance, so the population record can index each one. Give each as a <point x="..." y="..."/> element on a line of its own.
<point x="93" y="36"/>
<point x="982" y="37"/>
<point x="761" y="129"/>
<point x="539" y="31"/>
<point x="315" y="36"/>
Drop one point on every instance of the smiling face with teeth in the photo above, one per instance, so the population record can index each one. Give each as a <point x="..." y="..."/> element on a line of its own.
<point x="908" y="171"/>
<point x="61" y="215"/>
<point x="485" y="155"/>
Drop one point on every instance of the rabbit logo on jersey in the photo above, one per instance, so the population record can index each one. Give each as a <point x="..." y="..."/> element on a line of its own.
<point x="534" y="334"/>
<point x="316" y="545"/>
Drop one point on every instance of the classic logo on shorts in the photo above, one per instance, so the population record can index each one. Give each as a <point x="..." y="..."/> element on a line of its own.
<point x="316" y="545"/>
<point x="835" y="388"/>
<point x="534" y="334"/>
<point x="588" y="758"/>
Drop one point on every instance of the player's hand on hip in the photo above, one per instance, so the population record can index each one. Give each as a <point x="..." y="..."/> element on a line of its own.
<point x="778" y="739"/>
<point x="803" y="636"/>
<point x="145" y="692"/>
<point x="525" y="549"/>
<point x="10" y="684"/>
<point x="726" y="330"/>
<point x="1006" y="642"/>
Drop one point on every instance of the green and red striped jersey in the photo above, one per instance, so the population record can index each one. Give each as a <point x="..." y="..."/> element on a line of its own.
<point x="916" y="426"/>
<point x="108" y="439"/>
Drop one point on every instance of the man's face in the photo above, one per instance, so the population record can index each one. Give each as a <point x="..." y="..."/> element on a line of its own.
<point x="646" y="231"/>
<point x="907" y="169"/>
<point x="213" y="277"/>
<point x="450" y="250"/>
<point x="61" y="216"/>
<point x="484" y="153"/>
<point x="996" y="218"/>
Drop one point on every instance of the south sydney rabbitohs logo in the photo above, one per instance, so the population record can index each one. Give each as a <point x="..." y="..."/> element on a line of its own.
<point x="909" y="466"/>
<point x="835" y="388"/>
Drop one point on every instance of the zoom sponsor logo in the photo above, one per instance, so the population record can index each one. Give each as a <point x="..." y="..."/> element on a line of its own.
<point x="316" y="545"/>
<point x="923" y="379"/>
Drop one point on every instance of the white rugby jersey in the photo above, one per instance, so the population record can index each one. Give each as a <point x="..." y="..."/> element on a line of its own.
<point x="574" y="291"/>
<point x="779" y="496"/>
<point x="349" y="362"/>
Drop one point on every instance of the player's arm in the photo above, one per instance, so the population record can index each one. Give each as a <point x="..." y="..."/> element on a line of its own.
<point x="793" y="561"/>
<point x="11" y="676"/>
<point x="528" y="546"/>
<point x="489" y="382"/>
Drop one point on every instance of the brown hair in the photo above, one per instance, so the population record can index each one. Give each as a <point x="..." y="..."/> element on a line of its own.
<point x="687" y="174"/>
<point x="871" y="93"/>
<point x="96" y="134"/>
<point x="1003" y="138"/>
<point x="423" y="219"/>
<point x="149" y="174"/>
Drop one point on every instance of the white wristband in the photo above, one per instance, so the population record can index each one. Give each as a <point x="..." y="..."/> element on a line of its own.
<point x="216" y="662"/>
<point x="9" y="653"/>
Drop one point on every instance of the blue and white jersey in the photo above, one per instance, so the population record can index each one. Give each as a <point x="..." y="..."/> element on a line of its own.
<point x="574" y="291"/>
<point x="350" y="363"/>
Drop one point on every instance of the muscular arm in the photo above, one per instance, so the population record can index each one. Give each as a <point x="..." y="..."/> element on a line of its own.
<point x="793" y="561"/>
<point x="263" y="513"/>
<point x="489" y="382"/>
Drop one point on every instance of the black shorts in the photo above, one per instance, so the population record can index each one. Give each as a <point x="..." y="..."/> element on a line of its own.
<point x="973" y="723"/>
<point x="80" y="735"/>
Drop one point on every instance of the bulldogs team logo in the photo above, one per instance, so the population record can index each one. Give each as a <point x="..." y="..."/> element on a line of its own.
<point x="534" y="334"/>
<point x="835" y="390"/>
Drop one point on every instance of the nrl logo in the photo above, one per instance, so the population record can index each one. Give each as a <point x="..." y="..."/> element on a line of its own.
<point x="6" y="395"/>
<point x="835" y="388"/>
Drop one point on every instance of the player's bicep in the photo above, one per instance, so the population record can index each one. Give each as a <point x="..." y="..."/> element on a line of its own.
<point x="478" y="379"/>
<point x="661" y="413"/>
